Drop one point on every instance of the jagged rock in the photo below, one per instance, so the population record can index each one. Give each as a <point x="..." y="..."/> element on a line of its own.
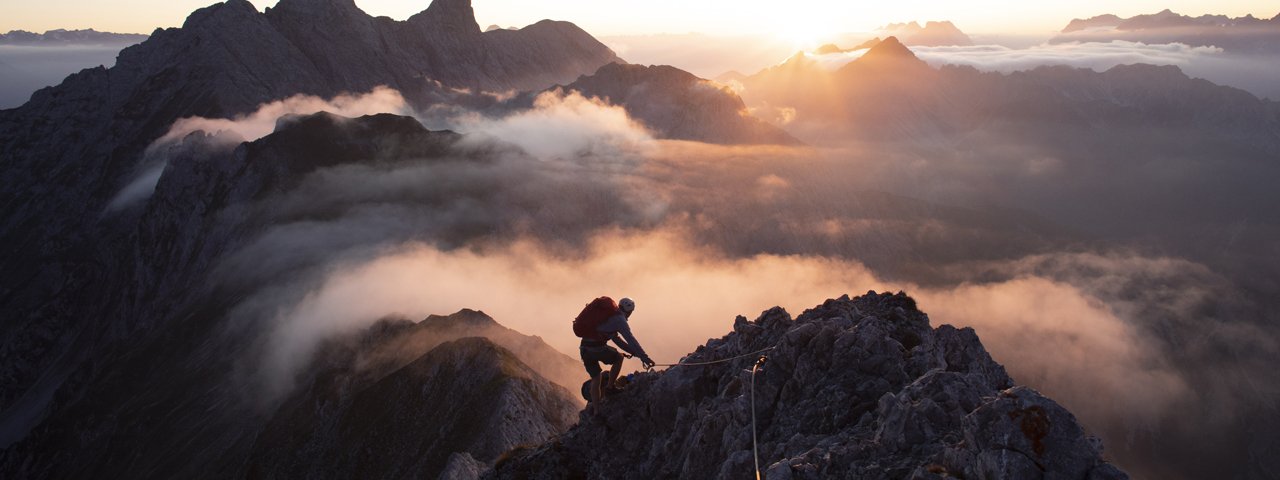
<point x="853" y="388"/>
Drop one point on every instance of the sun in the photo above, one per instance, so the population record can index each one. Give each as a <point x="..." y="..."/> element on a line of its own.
<point x="800" y="36"/>
<point x="805" y="31"/>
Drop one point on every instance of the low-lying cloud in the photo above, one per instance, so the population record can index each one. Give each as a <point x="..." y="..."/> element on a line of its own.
<point x="564" y="126"/>
<point x="259" y="123"/>
<point x="1259" y="74"/>
<point x="997" y="58"/>
<point x="1095" y="55"/>
<point x="1052" y="335"/>
<point x="542" y="209"/>
<point x="228" y="132"/>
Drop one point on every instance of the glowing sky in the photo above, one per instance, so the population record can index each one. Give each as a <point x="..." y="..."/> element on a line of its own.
<point x="784" y="18"/>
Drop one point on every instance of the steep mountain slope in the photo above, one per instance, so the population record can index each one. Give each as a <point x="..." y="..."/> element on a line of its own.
<point x="464" y="397"/>
<point x="229" y="58"/>
<point x="854" y="388"/>
<point x="69" y="150"/>
<point x="158" y="348"/>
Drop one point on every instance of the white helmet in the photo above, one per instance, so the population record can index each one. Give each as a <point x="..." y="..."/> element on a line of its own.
<point x="627" y="306"/>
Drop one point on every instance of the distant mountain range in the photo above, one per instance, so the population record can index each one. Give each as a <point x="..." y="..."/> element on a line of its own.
<point x="932" y="34"/>
<point x="1246" y="34"/>
<point x="890" y="92"/>
<point x="62" y="37"/>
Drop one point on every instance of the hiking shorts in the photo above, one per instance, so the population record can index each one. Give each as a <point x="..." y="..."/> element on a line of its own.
<point x="593" y="355"/>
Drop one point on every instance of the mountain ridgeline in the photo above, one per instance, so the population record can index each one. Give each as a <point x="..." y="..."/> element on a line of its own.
<point x="853" y="388"/>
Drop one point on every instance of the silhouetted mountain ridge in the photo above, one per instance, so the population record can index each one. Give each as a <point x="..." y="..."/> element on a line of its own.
<point x="853" y="388"/>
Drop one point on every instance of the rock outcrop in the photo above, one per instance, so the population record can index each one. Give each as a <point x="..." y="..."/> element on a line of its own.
<point x="853" y="388"/>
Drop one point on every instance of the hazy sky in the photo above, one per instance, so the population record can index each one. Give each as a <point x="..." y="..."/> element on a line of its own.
<point x="790" y="19"/>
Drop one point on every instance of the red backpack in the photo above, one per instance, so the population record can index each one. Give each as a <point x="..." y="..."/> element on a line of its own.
<point x="593" y="315"/>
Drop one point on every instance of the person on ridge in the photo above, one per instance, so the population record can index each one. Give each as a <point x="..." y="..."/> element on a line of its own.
<point x="611" y="325"/>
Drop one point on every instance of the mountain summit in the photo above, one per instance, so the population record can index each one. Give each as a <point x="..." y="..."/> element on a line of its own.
<point x="453" y="16"/>
<point x="853" y="388"/>
<point x="889" y="49"/>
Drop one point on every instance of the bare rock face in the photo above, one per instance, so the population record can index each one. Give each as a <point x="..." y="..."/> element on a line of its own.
<point x="854" y="388"/>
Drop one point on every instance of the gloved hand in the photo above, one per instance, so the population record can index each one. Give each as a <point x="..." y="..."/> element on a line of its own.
<point x="647" y="362"/>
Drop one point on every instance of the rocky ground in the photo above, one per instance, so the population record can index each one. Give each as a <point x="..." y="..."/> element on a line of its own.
<point x="854" y="388"/>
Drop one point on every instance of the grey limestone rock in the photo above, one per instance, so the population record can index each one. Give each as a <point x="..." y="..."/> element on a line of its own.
<point x="853" y="388"/>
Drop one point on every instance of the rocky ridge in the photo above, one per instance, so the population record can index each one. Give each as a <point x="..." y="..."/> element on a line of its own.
<point x="853" y="388"/>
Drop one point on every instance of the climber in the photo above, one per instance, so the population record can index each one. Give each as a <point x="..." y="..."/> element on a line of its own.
<point x="601" y="321"/>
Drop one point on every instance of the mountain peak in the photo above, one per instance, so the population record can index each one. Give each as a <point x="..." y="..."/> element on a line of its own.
<point x="454" y="16"/>
<point x="229" y="11"/>
<point x="465" y="316"/>
<point x="889" y="48"/>
<point x="310" y="9"/>
<point x="852" y="386"/>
